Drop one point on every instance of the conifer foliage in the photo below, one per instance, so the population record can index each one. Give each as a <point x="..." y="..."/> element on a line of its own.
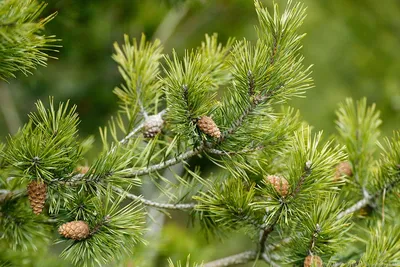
<point x="23" y="46"/>
<point x="303" y="200"/>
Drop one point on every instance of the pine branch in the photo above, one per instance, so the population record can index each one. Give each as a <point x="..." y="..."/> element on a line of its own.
<point x="181" y="157"/>
<point x="240" y="258"/>
<point x="268" y="260"/>
<point x="268" y="229"/>
<point x="132" y="133"/>
<point x="367" y="199"/>
<point x="139" y="66"/>
<point x="167" y="163"/>
<point x="358" y="128"/>
<point x="226" y="153"/>
<point x="236" y="259"/>
<point x="239" y="121"/>
<point x="314" y="237"/>
<point x="307" y="172"/>
<point x="97" y="227"/>
<point x="150" y="203"/>
<point x="357" y="206"/>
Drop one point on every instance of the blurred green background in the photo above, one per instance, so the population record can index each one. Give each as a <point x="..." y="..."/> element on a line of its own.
<point x="353" y="44"/>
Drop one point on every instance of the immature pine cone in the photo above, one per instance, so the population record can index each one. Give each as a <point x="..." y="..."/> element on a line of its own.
<point x="152" y="126"/>
<point x="208" y="126"/>
<point x="82" y="169"/>
<point x="313" y="261"/>
<point x="76" y="230"/>
<point x="281" y="184"/>
<point x="343" y="168"/>
<point x="37" y="196"/>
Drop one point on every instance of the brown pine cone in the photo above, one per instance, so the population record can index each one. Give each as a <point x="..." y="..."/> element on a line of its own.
<point x="313" y="261"/>
<point x="37" y="196"/>
<point x="343" y="168"/>
<point x="281" y="184"/>
<point x="76" y="230"/>
<point x="152" y="126"/>
<point x="208" y="126"/>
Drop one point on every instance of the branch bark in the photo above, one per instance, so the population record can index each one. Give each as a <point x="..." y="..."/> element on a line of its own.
<point x="267" y="230"/>
<point x="158" y="205"/>
<point x="240" y="258"/>
<point x="167" y="163"/>
<point x="228" y="153"/>
<point x="236" y="259"/>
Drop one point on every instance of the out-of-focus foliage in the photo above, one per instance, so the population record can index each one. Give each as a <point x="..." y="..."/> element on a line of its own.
<point x="22" y="45"/>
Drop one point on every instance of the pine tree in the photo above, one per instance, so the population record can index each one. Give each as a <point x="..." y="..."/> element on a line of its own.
<point x="303" y="200"/>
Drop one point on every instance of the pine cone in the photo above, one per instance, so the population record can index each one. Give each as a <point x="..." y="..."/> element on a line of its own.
<point x="82" y="169"/>
<point x="37" y="196"/>
<point x="281" y="184"/>
<point x="76" y="230"/>
<point x="152" y="126"/>
<point x="313" y="261"/>
<point x="343" y="168"/>
<point x="208" y="126"/>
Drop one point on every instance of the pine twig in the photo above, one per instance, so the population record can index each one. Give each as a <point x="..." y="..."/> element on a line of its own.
<point x="268" y="260"/>
<point x="367" y="199"/>
<point x="251" y="83"/>
<point x="184" y="156"/>
<point x="236" y="259"/>
<point x="314" y="237"/>
<point x="226" y="153"/>
<point x="131" y="134"/>
<point x="256" y="99"/>
<point x="357" y="206"/>
<point x="240" y="258"/>
<point x="267" y="230"/>
<point x="167" y="163"/>
<point x="97" y="227"/>
<point x="150" y="203"/>
<point x="236" y="124"/>
<point x="307" y="172"/>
